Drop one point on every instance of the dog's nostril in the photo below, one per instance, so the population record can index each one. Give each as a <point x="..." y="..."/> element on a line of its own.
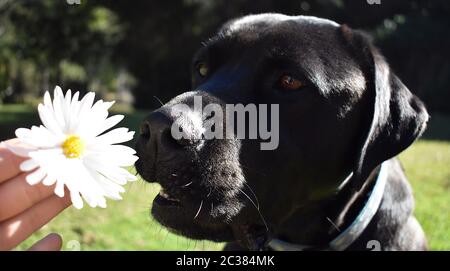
<point x="145" y="130"/>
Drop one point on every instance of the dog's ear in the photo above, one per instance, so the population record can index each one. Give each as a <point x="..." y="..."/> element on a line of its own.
<point x="396" y="117"/>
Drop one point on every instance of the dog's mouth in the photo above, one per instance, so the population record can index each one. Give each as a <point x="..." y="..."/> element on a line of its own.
<point x="193" y="201"/>
<point x="166" y="200"/>
<point x="178" y="208"/>
<point x="187" y="216"/>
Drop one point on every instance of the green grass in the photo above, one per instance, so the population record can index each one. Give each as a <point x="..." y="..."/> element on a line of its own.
<point x="127" y="225"/>
<point x="427" y="165"/>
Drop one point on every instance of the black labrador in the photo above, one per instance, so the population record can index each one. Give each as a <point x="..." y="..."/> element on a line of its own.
<point x="342" y="113"/>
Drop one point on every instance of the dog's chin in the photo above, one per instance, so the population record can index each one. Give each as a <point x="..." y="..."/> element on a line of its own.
<point x="182" y="218"/>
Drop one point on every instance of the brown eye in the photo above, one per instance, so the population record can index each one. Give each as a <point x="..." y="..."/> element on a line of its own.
<point x="290" y="83"/>
<point x="202" y="69"/>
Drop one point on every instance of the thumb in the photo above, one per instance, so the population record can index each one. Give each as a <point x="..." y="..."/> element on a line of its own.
<point x="52" y="242"/>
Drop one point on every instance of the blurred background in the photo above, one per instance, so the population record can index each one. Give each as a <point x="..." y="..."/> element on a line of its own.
<point x="139" y="52"/>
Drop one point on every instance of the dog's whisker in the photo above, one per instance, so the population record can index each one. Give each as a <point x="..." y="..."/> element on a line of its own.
<point x="210" y="191"/>
<point x="188" y="184"/>
<point x="210" y="216"/>
<point x="199" y="209"/>
<point x="250" y="199"/>
<point x="154" y="96"/>
<point x="253" y="193"/>
<point x="260" y="214"/>
<point x="332" y="223"/>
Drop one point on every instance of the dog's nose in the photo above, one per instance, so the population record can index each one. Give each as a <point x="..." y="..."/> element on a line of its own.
<point x="158" y="131"/>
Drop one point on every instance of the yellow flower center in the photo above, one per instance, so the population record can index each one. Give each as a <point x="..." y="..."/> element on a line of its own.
<point x="73" y="147"/>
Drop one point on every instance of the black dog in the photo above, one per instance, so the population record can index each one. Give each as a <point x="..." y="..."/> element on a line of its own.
<point x="342" y="113"/>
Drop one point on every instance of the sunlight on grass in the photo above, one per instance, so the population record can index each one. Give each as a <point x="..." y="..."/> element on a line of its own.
<point x="427" y="166"/>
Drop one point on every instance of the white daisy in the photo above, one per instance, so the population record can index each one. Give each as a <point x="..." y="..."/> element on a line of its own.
<point x="72" y="149"/>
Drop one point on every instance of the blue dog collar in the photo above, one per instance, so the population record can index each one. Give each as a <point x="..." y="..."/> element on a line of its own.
<point x="350" y="234"/>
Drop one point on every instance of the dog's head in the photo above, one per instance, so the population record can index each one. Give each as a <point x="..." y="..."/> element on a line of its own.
<point x="341" y="110"/>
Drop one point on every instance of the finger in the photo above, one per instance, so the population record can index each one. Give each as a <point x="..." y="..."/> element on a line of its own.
<point x="16" y="229"/>
<point x="18" y="195"/>
<point x="9" y="162"/>
<point x="51" y="242"/>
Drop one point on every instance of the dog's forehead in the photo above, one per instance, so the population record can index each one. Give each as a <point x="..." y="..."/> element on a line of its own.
<point x="272" y="19"/>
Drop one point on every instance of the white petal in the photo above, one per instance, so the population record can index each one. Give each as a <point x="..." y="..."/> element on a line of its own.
<point x="44" y="155"/>
<point x="111" y="149"/>
<point x="98" y="107"/>
<point x="113" y="173"/>
<point x="74" y="113"/>
<point x="76" y="200"/>
<point x="102" y="204"/>
<point x="22" y="133"/>
<point x="121" y="156"/>
<point x="29" y="165"/>
<point x="112" y="189"/>
<point x="19" y="149"/>
<point x="41" y="137"/>
<point x="109" y="123"/>
<point x="48" y="119"/>
<point x="118" y="135"/>
<point x="68" y="98"/>
<point x="35" y="177"/>
<point x="66" y="107"/>
<point x="75" y="96"/>
<point x="59" y="189"/>
<point x="48" y="100"/>
<point x="58" y="103"/>
<point x="107" y="105"/>
<point x="49" y="180"/>
<point x="30" y="137"/>
<point x="77" y="178"/>
<point x="85" y="107"/>
<point x="123" y="160"/>
<point x="57" y="91"/>
<point x="92" y="120"/>
<point x="91" y="201"/>
<point x="87" y="101"/>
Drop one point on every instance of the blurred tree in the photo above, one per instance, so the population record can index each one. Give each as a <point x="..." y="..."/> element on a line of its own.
<point x="160" y="39"/>
<point x="58" y="38"/>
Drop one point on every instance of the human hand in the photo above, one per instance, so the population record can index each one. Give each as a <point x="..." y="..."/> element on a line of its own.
<point x="24" y="208"/>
